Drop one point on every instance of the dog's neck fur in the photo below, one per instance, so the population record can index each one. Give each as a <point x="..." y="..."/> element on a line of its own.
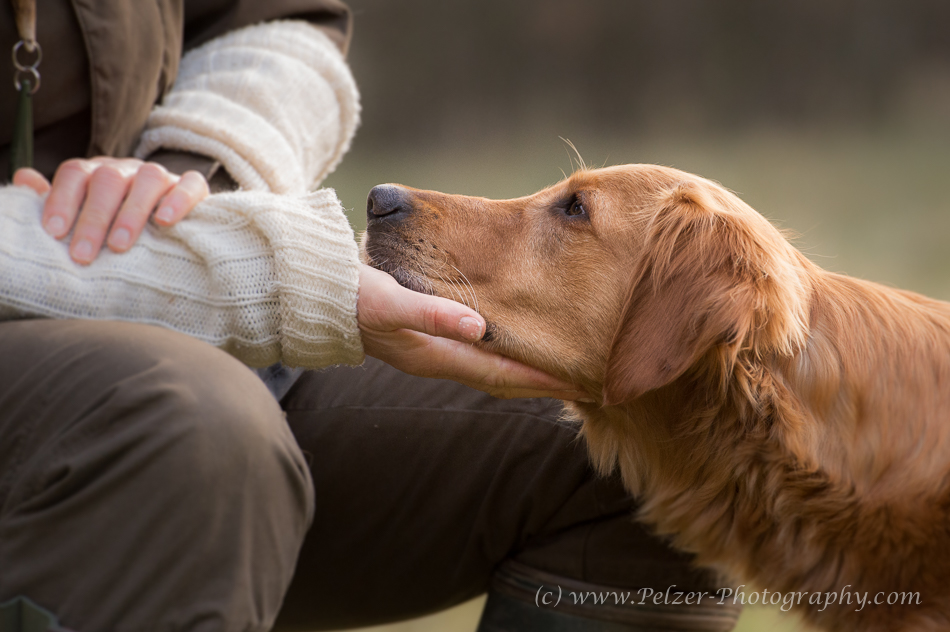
<point x="775" y="442"/>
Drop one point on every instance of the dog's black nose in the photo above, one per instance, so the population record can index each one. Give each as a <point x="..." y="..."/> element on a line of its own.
<point x="389" y="201"/>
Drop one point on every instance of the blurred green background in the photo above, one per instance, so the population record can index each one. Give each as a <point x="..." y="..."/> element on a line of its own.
<point x="830" y="118"/>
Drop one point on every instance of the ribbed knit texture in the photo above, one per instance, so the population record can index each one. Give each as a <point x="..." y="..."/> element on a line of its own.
<point x="242" y="273"/>
<point x="275" y="103"/>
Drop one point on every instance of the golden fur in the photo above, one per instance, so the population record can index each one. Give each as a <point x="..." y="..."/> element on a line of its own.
<point x="787" y="424"/>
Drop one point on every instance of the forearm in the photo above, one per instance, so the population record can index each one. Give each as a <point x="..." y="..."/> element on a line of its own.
<point x="267" y="278"/>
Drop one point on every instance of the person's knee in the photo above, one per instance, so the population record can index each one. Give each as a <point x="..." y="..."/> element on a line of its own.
<point x="236" y="463"/>
<point x="169" y="407"/>
<point x="221" y="424"/>
<point x="232" y="438"/>
<point x="144" y="441"/>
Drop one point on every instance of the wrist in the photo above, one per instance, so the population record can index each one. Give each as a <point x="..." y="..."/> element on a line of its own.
<point x="178" y="162"/>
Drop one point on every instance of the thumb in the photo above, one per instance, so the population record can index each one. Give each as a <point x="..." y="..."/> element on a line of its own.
<point x="384" y="305"/>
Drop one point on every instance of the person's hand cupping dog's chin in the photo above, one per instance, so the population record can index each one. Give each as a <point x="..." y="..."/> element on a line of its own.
<point x="431" y="336"/>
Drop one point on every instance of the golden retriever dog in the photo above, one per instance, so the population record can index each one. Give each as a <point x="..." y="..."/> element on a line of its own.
<point x="788" y="425"/>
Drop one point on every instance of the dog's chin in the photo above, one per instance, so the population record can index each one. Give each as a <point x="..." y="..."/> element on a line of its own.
<point x="409" y="280"/>
<point x="386" y="259"/>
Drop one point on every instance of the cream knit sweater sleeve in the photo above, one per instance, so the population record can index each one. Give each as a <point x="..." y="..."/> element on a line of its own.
<point x="275" y="103"/>
<point x="269" y="273"/>
<point x="267" y="278"/>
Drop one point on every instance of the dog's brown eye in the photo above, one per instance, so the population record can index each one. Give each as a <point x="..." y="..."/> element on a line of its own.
<point x="575" y="209"/>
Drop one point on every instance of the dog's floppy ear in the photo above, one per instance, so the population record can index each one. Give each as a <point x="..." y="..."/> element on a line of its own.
<point x="693" y="288"/>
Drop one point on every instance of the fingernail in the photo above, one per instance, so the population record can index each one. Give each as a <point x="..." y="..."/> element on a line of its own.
<point x="470" y="328"/>
<point x="55" y="226"/>
<point x="120" y="238"/>
<point x="82" y="251"/>
<point x="165" y="214"/>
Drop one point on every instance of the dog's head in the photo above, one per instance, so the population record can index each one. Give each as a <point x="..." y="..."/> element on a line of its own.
<point x="619" y="279"/>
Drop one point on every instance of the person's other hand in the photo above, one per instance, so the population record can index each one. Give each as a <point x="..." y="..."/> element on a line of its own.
<point x="431" y="337"/>
<point x="104" y="196"/>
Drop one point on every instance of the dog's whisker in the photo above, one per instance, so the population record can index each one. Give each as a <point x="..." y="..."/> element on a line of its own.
<point x="453" y="288"/>
<point x="463" y="284"/>
<point x="424" y="279"/>
<point x="463" y="294"/>
<point x="468" y="284"/>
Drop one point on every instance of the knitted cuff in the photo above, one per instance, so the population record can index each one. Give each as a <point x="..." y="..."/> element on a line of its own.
<point x="275" y="103"/>
<point x="316" y="262"/>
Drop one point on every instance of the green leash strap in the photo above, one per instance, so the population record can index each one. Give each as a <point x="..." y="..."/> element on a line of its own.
<point x="27" y="56"/>
<point x="21" y="145"/>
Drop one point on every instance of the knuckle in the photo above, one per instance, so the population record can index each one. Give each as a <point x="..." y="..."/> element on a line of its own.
<point x="177" y="199"/>
<point x="108" y="175"/>
<point x="153" y="171"/>
<point x="76" y="165"/>
<point x="491" y="380"/>
<point x="73" y="169"/>
<point x="95" y="217"/>
<point x="131" y="218"/>
<point x="132" y="212"/>
<point x="127" y="166"/>
<point x="430" y="319"/>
